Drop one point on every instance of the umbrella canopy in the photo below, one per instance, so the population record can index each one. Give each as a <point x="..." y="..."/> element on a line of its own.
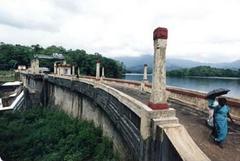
<point x="217" y="92"/>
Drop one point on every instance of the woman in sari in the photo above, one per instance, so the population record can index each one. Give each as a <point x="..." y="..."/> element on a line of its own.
<point x="220" y="118"/>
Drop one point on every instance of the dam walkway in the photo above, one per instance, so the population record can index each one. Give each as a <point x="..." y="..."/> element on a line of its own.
<point x="195" y="123"/>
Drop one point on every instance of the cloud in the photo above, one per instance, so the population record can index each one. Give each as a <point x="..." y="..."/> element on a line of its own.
<point x="208" y="33"/>
<point x="32" y="15"/>
<point x="17" y="22"/>
<point x="68" y="5"/>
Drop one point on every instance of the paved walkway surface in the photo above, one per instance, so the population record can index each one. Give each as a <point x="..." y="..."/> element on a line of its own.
<point x="196" y="127"/>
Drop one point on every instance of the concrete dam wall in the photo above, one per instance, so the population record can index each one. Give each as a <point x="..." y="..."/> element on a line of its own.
<point x="138" y="132"/>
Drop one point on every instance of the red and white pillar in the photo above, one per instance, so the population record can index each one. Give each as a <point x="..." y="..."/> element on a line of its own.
<point x="158" y="99"/>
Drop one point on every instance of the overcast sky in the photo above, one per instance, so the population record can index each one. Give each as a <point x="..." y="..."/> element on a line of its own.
<point x="202" y="30"/>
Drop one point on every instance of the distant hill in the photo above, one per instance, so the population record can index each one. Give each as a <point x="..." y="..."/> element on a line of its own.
<point x="136" y="61"/>
<point x="135" y="64"/>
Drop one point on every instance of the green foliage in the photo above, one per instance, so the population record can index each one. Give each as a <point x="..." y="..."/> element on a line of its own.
<point x="6" y="76"/>
<point x="13" y="55"/>
<point x="6" y="73"/>
<point x="50" y="135"/>
<point x="204" y="71"/>
<point x="87" y="63"/>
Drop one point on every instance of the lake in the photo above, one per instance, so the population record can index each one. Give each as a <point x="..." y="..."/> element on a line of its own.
<point x="197" y="83"/>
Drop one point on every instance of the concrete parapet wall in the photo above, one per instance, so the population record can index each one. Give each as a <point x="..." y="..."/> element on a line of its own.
<point x="190" y="98"/>
<point x="124" y="83"/>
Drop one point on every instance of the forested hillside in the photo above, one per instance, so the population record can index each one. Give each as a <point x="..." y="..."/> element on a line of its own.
<point x="13" y="55"/>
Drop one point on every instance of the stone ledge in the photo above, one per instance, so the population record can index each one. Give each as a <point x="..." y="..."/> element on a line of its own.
<point x="168" y="120"/>
<point x="170" y="112"/>
<point x="183" y="143"/>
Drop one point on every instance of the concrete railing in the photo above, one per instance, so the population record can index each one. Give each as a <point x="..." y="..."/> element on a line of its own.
<point x="181" y="143"/>
<point x="191" y="98"/>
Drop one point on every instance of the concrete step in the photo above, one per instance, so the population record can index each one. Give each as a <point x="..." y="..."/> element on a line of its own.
<point x="166" y="120"/>
<point x="166" y="113"/>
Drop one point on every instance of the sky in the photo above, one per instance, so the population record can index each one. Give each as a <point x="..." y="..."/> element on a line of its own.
<point x="200" y="30"/>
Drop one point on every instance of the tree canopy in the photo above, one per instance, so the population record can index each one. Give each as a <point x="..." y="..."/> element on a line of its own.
<point x="13" y="55"/>
<point x="46" y="134"/>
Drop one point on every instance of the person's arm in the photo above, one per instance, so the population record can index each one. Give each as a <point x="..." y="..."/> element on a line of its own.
<point x="212" y="104"/>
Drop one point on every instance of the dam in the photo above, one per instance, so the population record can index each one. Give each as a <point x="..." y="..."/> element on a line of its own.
<point x="147" y="122"/>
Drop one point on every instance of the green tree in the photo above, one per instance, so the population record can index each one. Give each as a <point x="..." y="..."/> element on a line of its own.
<point x="13" y="55"/>
<point x="49" y="135"/>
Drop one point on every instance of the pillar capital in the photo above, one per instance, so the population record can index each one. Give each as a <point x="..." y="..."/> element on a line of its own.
<point x="160" y="33"/>
<point x="157" y="106"/>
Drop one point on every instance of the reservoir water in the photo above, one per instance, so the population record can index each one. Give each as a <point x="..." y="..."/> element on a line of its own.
<point x="197" y="83"/>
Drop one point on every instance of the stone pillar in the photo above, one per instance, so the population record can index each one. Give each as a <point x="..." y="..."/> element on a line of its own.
<point x="103" y="72"/>
<point x="35" y="66"/>
<point x="78" y="71"/>
<point x="1" y="105"/>
<point x="55" y="68"/>
<point x="145" y="73"/>
<point x="58" y="71"/>
<point x="98" y="69"/>
<point x="158" y="99"/>
<point x="73" y="70"/>
<point x="102" y="76"/>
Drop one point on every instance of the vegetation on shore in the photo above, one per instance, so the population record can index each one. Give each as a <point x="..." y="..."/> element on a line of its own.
<point x="7" y="76"/>
<point x="6" y="72"/>
<point x="51" y="135"/>
<point x="13" y="55"/>
<point x="204" y="71"/>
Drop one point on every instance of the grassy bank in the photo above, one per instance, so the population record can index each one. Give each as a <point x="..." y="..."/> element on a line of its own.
<point x="7" y="76"/>
<point x="50" y="135"/>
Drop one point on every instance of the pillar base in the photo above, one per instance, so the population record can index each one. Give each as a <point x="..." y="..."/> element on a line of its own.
<point x="158" y="106"/>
